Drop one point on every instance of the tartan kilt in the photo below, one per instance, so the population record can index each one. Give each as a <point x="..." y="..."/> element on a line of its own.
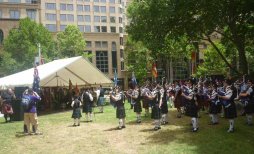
<point x="230" y="112"/>
<point x="145" y="103"/>
<point x="137" y="107"/>
<point x="214" y="109"/>
<point x="87" y="108"/>
<point x="76" y="113"/>
<point x="191" y="110"/>
<point x="249" y="108"/>
<point x="120" y="112"/>
<point x="156" y="112"/>
<point x="7" y="109"/>
<point x="164" y="108"/>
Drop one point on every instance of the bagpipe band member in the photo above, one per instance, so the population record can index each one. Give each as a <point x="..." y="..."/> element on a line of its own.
<point x="136" y="98"/>
<point x="246" y="98"/>
<point x="229" y="104"/>
<point x="145" y="101"/>
<point x="215" y="106"/>
<point x="156" y="112"/>
<point x="118" y="100"/>
<point x="164" y="106"/>
<point x="76" y="114"/>
<point x="178" y="100"/>
<point x="87" y="99"/>
<point x="192" y="108"/>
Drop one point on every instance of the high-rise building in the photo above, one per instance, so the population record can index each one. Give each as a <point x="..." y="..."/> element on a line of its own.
<point x="102" y="22"/>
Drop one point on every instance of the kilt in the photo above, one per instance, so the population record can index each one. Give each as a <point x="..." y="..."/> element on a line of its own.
<point x="76" y="113"/>
<point x="7" y="109"/>
<point x="214" y="109"/>
<point x="120" y="112"/>
<point x="145" y="103"/>
<point x="249" y="108"/>
<point x="230" y="112"/>
<point x="137" y="107"/>
<point x="179" y="102"/>
<point x="164" y="108"/>
<point x="87" y="108"/>
<point x="191" y="110"/>
<point x="156" y="112"/>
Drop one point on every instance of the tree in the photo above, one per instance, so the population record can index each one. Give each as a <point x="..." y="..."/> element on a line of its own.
<point x="213" y="64"/>
<point x="70" y="42"/>
<point x="153" y="20"/>
<point x="20" y="47"/>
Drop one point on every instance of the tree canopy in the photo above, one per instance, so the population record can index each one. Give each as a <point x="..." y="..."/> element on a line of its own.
<point x="153" y="20"/>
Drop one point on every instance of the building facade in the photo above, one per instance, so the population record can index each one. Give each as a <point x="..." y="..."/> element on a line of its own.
<point x="101" y="21"/>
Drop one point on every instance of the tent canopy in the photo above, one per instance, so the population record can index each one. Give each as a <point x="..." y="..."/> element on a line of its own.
<point x="58" y="73"/>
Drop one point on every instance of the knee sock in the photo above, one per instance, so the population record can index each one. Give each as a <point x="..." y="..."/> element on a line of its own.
<point x="216" y="118"/>
<point x="249" y="119"/>
<point x="194" y="122"/>
<point x="120" y="123"/>
<point x="231" y="124"/>
<point x="91" y="116"/>
<point x="78" y="121"/>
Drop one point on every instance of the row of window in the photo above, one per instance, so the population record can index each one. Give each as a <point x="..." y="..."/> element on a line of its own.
<point x="101" y="44"/>
<point x="82" y="8"/>
<point x="102" y="1"/>
<point x="19" y="1"/>
<point x="15" y="14"/>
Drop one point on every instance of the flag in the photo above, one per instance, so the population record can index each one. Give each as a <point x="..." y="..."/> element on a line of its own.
<point x="115" y="79"/>
<point x="133" y="80"/>
<point x="36" y="82"/>
<point x="70" y="86"/>
<point x="154" y="70"/>
<point x="76" y="90"/>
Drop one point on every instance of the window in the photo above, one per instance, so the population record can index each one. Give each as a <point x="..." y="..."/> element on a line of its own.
<point x="104" y="44"/>
<point x="81" y="28"/>
<point x="98" y="44"/>
<point x="122" y="57"/>
<point x="87" y="28"/>
<point x="87" y="18"/>
<point x="103" y="28"/>
<point x="96" y="8"/>
<point x="102" y="61"/>
<point x="103" y="19"/>
<point x="96" y="18"/>
<point x="113" y="46"/>
<point x="50" y="6"/>
<point x="120" y="20"/>
<point x="114" y="60"/>
<point x="70" y="7"/>
<point x="1" y="36"/>
<point x="87" y="0"/>
<point x="112" y="1"/>
<point x="62" y="6"/>
<point x="14" y="1"/>
<point x="14" y="14"/>
<point x="51" y="27"/>
<point x="96" y="0"/>
<point x="51" y="17"/>
<point x="80" y="8"/>
<point x="113" y="29"/>
<point x="120" y="29"/>
<point x="103" y="9"/>
<point x="87" y="8"/>
<point x="88" y="44"/>
<point x="120" y="10"/>
<point x="121" y="40"/>
<point x="62" y="27"/>
<point x="103" y="1"/>
<point x="96" y="28"/>
<point x="112" y="9"/>
<point x="112" y="19"/>
<point x="70" y="17"/>
<point x="31" y="13"/>
<point x="80" y="18"/>
<point x="63" y="17"/>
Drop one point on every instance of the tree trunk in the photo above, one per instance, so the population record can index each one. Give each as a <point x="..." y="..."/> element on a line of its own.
<point x="243" y="64"/>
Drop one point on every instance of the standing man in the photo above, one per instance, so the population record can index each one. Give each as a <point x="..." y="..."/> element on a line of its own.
<point x="101" y="99"/>
<point x="7" y="110"/>
<point x="29" y="100"/>
<point x="87" y="99"/>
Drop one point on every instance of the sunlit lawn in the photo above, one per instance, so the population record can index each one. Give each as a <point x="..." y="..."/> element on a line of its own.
<point x="101" y="136"/>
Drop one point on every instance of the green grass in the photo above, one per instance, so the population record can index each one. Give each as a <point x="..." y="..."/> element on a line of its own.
<point x="102" y="137"/>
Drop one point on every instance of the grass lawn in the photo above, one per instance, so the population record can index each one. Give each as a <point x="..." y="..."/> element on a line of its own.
<point x="102" y="137"/>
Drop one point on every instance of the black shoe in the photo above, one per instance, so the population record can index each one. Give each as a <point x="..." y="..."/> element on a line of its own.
<point x="156" y="128"/>
<point x="194" y="129"/>
<point x="123" y="127"/>
<point x="74" y="125"/>
<point x="230" y="131"/>
<point x="159" y="127"/>
<point x="78" y="125"/>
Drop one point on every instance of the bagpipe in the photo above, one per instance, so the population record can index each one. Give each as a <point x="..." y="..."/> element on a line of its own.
<point x="224" y="102"/>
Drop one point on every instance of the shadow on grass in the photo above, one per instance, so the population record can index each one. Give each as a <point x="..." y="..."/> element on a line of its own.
<point x="112" y="129"/>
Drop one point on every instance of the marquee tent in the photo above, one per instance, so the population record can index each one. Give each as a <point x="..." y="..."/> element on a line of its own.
<point x="58" y="73"/>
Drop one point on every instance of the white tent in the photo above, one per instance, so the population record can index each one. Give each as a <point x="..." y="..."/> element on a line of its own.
<point x="58" y="73"/>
